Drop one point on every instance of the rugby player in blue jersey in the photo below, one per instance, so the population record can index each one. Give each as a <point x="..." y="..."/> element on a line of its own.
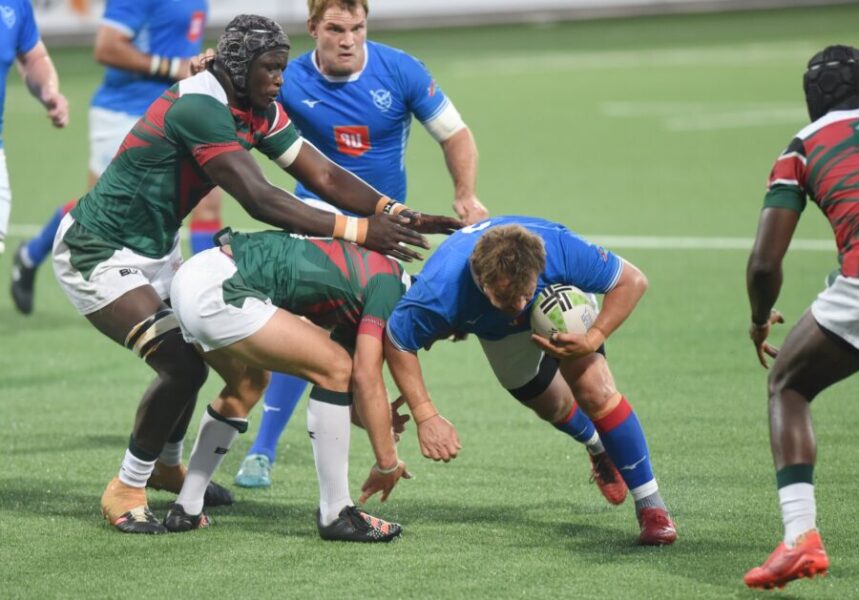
<point x="20" y="41"/>
<point x="354" y="100"/>
<point x="146" y="45"/>
<point x="482" y="281"/>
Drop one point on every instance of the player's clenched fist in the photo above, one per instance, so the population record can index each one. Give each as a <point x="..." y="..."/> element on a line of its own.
<point x="438" y="439"/>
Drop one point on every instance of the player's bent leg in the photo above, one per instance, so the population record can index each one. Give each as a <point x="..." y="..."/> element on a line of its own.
<point x="169" y="472"/>
<point x="623" y="437"/>
<point x="225" y="418"/>
<point x="811" y="359"/>
<point x="533" y="378"/>
<point x="557" y="406"/>
<point x="142" y="322"/>
<point x="289" y="344"/>
<point x="329" y="425"/>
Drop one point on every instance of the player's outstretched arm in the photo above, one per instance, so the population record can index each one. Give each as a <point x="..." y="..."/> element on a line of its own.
<point x="341" y="188"/>
<point x="371" y="404"/>
<point x="764" y="274"/>
<point x="240" y="175"/>
<point x="436" y="435"/>
<point x="42" y="80"/>
<point x="618" y="304"/>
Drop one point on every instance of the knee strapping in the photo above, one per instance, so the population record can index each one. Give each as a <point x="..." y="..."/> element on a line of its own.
<point x="330" y="397"/>
<point x="145" y="337"/>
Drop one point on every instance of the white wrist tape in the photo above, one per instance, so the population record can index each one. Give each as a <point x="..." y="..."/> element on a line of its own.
<point x="174" y="67"/>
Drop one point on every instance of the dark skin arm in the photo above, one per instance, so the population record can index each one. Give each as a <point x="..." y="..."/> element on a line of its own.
<point x="241" y="177"/>
<point x="341" y="188"/>
<point x="764" y="274"/>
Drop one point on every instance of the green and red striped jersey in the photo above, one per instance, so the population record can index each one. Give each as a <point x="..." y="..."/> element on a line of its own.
<point x="156" y="177"/>
<point x="822" y="163"/>
<point x="338" y="285"/>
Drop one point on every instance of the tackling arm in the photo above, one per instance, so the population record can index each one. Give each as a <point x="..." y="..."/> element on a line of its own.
<point x="241" y="177"/>
<point x="42" y="80"/>
<point x="113" y="48"/>
<point x="764" y="274"/>
<point x="345" y="190"/>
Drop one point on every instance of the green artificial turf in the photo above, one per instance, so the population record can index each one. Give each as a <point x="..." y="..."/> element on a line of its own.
<point x="664" y="127"/>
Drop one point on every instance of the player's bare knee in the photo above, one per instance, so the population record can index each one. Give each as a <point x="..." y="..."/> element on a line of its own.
<point x="250" y="389"/>
<point x="336" y="376"/>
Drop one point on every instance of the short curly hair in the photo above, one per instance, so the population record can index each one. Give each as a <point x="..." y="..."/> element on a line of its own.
<point x="245" y="38"/>
<point x="509" y="254"/>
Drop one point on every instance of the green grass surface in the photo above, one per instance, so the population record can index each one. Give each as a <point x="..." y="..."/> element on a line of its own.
<point x="657" y="127"/>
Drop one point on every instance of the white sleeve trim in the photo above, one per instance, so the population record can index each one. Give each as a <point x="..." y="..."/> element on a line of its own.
<point x="121" y="27"/>
<point x="616" y="278"/>
<point x="276" y="119"/>
<point x="447" y="122"/>
<point x="288" y="157"/>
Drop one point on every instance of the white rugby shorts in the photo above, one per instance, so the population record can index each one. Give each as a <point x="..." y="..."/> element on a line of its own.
<point x="515" y="359"/>
<point x="107" y="129"/>
<point x="113" y="276"/>
<point x="197" y="296"/>
<point x="5" y="198"/>
<point x="837" y="309"/>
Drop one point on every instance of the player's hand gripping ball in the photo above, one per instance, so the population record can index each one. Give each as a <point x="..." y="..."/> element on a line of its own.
<point x="562" y="308"/>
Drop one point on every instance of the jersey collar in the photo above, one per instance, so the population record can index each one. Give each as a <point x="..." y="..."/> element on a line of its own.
<point x="342" y="78"/>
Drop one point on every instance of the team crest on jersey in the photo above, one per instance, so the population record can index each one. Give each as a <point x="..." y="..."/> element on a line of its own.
<point x="382" y="99"/>
<point x="195" y="29"/>
<point x="352" y="140"/>
<point x="8" y="15"/>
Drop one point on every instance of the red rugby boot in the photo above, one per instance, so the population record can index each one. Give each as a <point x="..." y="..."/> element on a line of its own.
<point x="806" y="559"/>
<point x="607" y="478"/>
<point x="657" y="528"/>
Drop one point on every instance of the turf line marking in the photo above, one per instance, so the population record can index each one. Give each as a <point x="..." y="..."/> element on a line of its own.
<point x="609" y="241"/>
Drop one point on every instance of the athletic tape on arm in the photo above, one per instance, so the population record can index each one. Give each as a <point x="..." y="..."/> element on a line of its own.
<point x="288" y="157"/>
<point x="448" y="122"/>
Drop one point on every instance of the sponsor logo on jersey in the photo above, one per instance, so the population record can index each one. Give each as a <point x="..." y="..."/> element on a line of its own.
<point x="352" y="140"/>
<point x="8" y="14"/>
<point x="195" y="29"/>
<point x="127" y="272"/>
<point x="310" y="103"/>
<point x="431" y="89"/>
<point x="382" y="99"/>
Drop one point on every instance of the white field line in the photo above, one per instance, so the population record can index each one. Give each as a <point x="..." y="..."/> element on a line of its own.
<point x="609" y="241"/>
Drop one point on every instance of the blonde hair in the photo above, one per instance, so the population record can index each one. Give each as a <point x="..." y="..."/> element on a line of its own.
<point x="510" y="254"/>
<point x="316" y="8"/>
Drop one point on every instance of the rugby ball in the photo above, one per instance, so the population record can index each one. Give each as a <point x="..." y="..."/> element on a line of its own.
<point x="562" y="308"/>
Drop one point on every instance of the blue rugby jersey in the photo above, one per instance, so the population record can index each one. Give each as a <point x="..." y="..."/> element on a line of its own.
<point x="445" y="299"/>
<point x="18" y="35"/>
<point x="169" y="28"/>
<point x="361" y="122"/>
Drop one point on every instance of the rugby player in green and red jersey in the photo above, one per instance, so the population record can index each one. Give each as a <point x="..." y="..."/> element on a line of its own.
<point x="821" y="163"/>
<point x="240" y="304"/>
<point x="117" y="250"/>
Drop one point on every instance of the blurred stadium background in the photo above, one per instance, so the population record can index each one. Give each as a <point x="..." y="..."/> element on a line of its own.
<point x="650" y="131"/>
